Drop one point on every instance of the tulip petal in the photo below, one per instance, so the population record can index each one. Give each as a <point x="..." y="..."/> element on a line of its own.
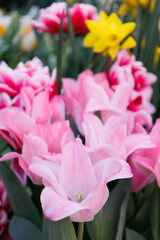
<point x="76" y="161"/>
<point x="111" y="169"/>
<point x="56" y="207"/>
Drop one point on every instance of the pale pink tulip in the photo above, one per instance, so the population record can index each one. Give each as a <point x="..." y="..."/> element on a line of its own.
<point x="113" y="135"/>
<point x="76" y="188"/>
<point x="44" y="140"/>
<point x="146" y="161"/>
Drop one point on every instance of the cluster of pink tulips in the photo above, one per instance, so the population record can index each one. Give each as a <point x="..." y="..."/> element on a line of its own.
<point x="116" y="146"/>
<point x="72" y="137"/>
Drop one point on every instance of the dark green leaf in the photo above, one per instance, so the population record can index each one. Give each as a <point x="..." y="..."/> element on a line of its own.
<point x="111" y="210"/>
<point x="122" y="218"/>
<point x="132" y="235"/>
<point x="21" y="203"/>
<point x="45" y="229"/>
<point x="141" y="222"/>
<point x="95" y="227"/>
<point x="59" y="55"/>
<point x="22" y="229"/>
<point x="155" y="214"/>
<point x="62" y="230"/>
<point x="151" y="38"/>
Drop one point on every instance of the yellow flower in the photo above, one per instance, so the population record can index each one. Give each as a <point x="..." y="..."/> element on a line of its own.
<point x="107" y="34"/>
<point x="145" y="3"/>
<point x="132" y="5"/>
<point x="156" y="57"/>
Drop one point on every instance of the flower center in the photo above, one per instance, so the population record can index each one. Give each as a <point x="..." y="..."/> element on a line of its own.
<point x="113" y="37"/>
<point x="79" y="196"/>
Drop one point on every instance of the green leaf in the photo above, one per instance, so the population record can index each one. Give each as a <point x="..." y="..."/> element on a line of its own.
<point x="3" y="145"/>
<point x="151" y="38"/>
<point x="132" y="235"/>
<point x="21" y="203"/>
<point x="155" y="214"/>
<point x="94" y="227"/>
<point x="122" y="219"/>
<point x="141" y="221"/>
<point x="21" y="228"/>
<point x="59" y="55"/>
<point x="45" y="229"/>
<point x="138" y="30"/>
<point x="111" y="210"/>
<point x="62" y="230"/>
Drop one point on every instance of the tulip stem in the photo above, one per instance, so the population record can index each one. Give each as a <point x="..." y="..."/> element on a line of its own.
<point x="80" y="230"/>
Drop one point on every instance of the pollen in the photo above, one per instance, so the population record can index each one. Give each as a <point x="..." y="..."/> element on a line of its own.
<point x="79" y="196"/>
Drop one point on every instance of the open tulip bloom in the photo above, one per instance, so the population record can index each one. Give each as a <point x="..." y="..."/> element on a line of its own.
<point x="77" y="188"/>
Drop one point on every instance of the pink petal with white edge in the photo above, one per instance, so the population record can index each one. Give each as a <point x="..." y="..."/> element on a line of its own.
<point x="143" y="164"/>
<point x="92" y="126"/>
<point x="48" y="171"/>
<point x="157" y="171"/>
<point x="21" y="125"/>
<point x="58" y="108"/>
<point x="138" y="141"/>
<point x="115" y="134"/>
<point x="19" y="172"/>
<point x="41" y="108"/>
<point x="138" y="180"/>
<point x="97" y="197"/>
<point x="155" y="132"/>
<point x="121" y="96"/>
<point x="75" y="160"/>
<point x="56" y="207"/>
<point x="9" y="155"/>
<point x="111" y="169"/>
<point x="40" y="26"/>
<point x="101" y="152"/>
<point x="27" y="94"/>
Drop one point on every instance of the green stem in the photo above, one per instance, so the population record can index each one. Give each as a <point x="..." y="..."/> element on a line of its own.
<point x="80" y="230"/>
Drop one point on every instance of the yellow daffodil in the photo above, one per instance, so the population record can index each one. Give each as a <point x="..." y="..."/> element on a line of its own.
<point x="107" y="34"/>
<point x="145" y="3"/>
<point x="156" y="57"/>
<point x="132" y="5"/>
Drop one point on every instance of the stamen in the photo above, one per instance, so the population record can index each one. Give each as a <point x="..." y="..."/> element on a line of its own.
<point x="79" y="196"/>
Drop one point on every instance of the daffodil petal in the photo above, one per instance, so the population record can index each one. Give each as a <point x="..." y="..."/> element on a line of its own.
<point x="99" y="46"/>
<point x="126" y="29"/>
<point x="92" y="26"/>
<point x="129" y="43"/>
<point x="124" y="9"/>
<point x="89" y="40"/>
<point x="112" y="51"/>
<point x="103" y="17"/>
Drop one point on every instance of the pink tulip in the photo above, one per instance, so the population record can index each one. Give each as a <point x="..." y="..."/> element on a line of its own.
<point x="50" y="18"/>
<point x="7" y="101"/>
<point x="31" y="74"/>
<point x="101" y="97"/>
<point x="43" y="140"/>
<point x="81" y="194"/>
<point x="127" y="69"/>
<point x="99" y="136"/>
<point x="5" y="208"/>
<point x="147" y="161"/>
